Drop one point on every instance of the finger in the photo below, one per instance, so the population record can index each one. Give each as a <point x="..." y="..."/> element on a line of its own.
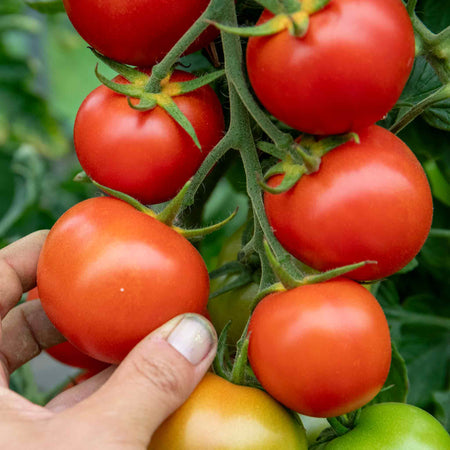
<point x="26" y="331"/>
<point x="79" y="392"/>
<point x="18" y="264"/>
<point x="153" y="381"/>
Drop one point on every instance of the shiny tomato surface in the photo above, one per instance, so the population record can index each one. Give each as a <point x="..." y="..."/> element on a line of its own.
<point x="222" y="415"/>
<point x="322" y="349"/>
<point x="145" y="154"/>
<point x="66" y="353"/>
<point x="346" y="73"/>
<point x="108" y="275"/>
<point x="137" y="32"/>
<point x="367" y="202"/>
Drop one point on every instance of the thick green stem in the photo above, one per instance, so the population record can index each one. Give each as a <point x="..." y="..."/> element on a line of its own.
<point x="241" y="132"/>
<point x="439" y="233"/>
<point x="216" y="153"/>
<point x="213" y="12"/>
<point x="337" y="426"/>
<point x="434" y="47"/>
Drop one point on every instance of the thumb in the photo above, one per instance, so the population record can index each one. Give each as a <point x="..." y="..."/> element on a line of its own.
<point x="153" y="381"/>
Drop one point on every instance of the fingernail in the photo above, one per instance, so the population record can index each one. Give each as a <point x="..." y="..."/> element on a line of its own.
<point x="193" y="338"/>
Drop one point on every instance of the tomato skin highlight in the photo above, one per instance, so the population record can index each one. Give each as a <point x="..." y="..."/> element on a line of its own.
<point x="346" y="73"/>
<point x="394" y="426"/>
<point x="222" y="415"/>
<point x="367" y="202"/>
<point x="108" y="275"/>
<point x="145" y="154"/>
<point x="323" y="349"/>
<point x="66" y="353"/>
<point x="136" y="32"/>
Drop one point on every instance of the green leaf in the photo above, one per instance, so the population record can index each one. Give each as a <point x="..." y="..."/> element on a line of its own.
<point x="19" y="22"/>
<point x="409" y="267"/>
<point x="422" y="83"/>
<point x="426" y="351"/>
<point x="46" y="6"/>
<point x="439" y="185"/>
<point x="29" y="169"/>
<point x="434" y="13"/>
<point x="438" y="116"/>
<point x="442" y="402"/>
<point x="396" y="386"/>
<point x="420" y="328"/>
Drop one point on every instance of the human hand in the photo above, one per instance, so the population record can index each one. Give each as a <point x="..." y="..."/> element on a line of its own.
<point x="119" y="408"/>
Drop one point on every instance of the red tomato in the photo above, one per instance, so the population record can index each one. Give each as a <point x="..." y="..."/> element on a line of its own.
<point x="346" y="73"/>
<point x="137" y="32"/>
<point x="83" y="376"/>
<point x="66" y="353"/>
<point x="145" y="154"/>
<point x="369" y="201"/>
<point x="108" y="275"/>
<point x="323" y="349"/>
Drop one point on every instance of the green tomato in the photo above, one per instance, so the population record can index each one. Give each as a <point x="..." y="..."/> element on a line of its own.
<point x="233" y="305"/>
<point x="393" y="426"/>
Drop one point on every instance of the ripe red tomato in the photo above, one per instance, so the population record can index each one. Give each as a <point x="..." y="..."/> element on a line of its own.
<point x="145" y="154"/>
<point x="108" y="275"/>
<point x="66" y="353"/>
<point x="137" y="32"/>
<point x="369" y="201"/>
<point x="323" y="349"/>
<point x="222" y="415"/>
<point x="346" y="73"/>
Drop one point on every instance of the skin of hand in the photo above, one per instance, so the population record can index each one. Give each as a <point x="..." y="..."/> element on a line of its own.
<point x="119" y="408"/>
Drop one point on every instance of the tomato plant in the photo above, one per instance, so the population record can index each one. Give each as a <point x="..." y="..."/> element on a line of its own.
<point x="145" y="154"/>
<point x="346" y="73"/>
<point x="368" y="201"/>
<point x="322" y="67"/>
<point x="220" y="414"/>
<point x="105" y="284"/>
<point x="137" y="32"/>
<point x="322" y="349"/>
<point x="393" y="426"/>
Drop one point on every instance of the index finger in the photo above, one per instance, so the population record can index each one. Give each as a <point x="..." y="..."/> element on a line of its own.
<point x="18" y="265"/>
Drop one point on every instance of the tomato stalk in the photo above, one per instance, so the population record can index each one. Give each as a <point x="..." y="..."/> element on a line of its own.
<point x="337" y="426"/>
<point x="434" y="47"/>
<point x="214" y="10"/>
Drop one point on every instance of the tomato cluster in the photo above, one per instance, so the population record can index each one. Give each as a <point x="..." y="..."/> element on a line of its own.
<point x="110" y="273"/>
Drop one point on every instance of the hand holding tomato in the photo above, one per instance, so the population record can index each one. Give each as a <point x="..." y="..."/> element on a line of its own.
<point x="119" y="405"/>
<point x="109" y="274"/>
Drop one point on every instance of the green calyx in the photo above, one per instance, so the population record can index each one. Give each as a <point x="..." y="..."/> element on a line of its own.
<point x="287" y="281"/>
<point x="291" y="15"/>
<point x="302" y="158"/>
<point x="138" y="88"/>
<point x="168" y="215"/>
